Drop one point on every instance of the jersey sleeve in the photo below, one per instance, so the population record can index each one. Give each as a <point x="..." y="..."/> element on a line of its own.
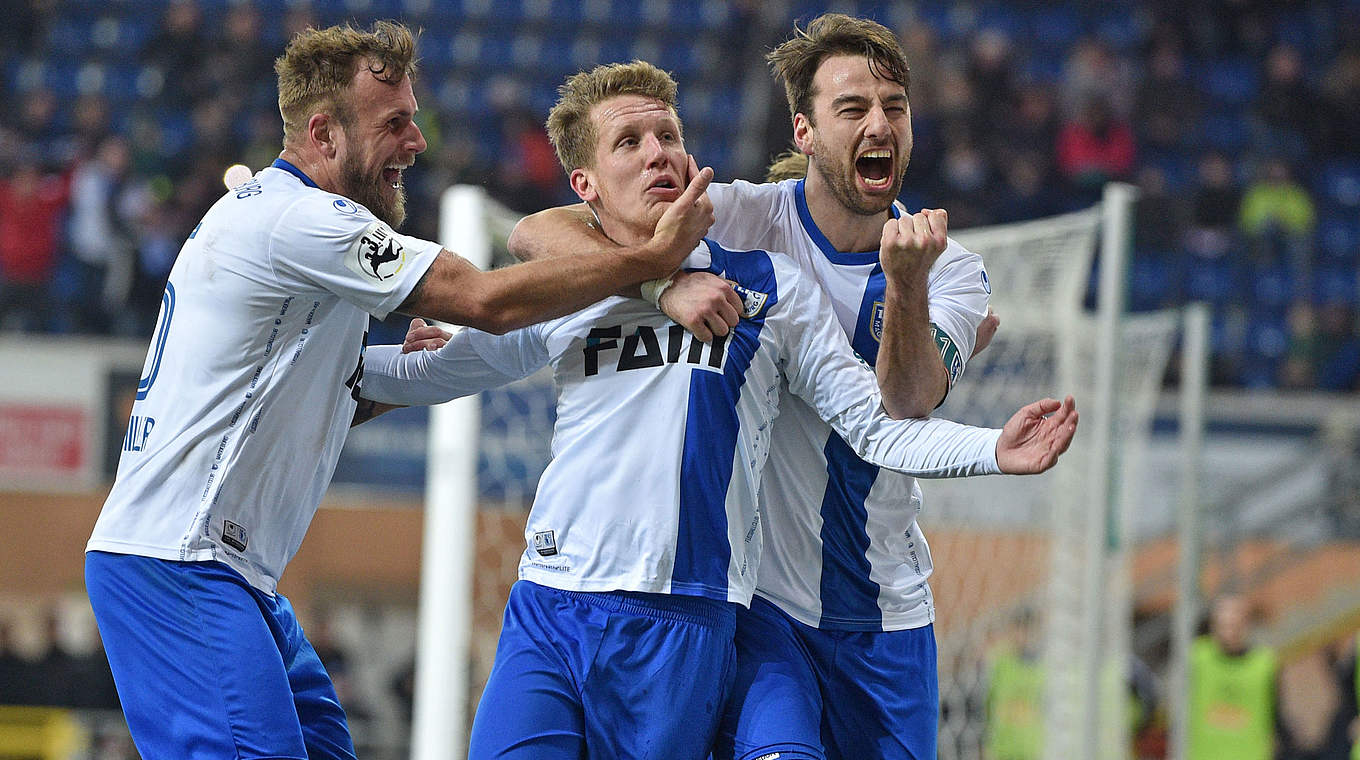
<point x="824" y="371"/>
<point x="958" y="292"/>
<point x="744" y="214"/>
<point x="472" y="361"/>
<point x="332" y="243"/>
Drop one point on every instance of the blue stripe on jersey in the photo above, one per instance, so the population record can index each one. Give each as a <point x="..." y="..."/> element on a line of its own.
<point x="702" y="552"/>
<point x="279" y="163"/>
<point x="849" y="596"/>
<point x="865" y="341"/>
<point x="815" y="233"/>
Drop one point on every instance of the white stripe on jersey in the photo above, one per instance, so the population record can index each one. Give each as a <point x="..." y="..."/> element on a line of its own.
<point x="843" y="552"/>
<point x="661" y="439"/>
<point x="248" y="388"/>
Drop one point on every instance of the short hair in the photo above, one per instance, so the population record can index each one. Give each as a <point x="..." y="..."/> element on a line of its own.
<point x="316" y="69"/>
<point x="795" y="62"/>
<point x="790" y="164"/>
<point x="569" y="126"/>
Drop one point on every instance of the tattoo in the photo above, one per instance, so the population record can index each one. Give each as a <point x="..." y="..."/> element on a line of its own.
<point x="408" y="306"/>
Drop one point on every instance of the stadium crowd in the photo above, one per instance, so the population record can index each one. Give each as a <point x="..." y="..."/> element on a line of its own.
<point x="1238" y="120"/>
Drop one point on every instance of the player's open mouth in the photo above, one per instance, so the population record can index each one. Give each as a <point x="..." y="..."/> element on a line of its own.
<point x="392" y="176"/>
<point x="664" y="186"/>
<point x="874" y="168"/>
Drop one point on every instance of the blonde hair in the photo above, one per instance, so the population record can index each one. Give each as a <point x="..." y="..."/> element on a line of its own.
<point x="790" y="164"/>
<point x="569" y="125"/>
<point x="316" y="69"/>
<point x="795" y="62"/>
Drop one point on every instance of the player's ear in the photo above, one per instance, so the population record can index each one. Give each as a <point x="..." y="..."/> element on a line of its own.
<point x="322" y="135"/>
<point x="583" y="182"/>
<point x="802" y="133"/>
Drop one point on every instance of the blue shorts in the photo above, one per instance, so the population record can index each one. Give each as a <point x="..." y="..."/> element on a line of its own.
<point x="209" y="667"/>
<point x="805" y="693"/>
<point x="605" y="675"/>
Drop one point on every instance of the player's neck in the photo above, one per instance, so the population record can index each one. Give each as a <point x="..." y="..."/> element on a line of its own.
<point x="847" y="231"/>
<point x="315" y="169"/>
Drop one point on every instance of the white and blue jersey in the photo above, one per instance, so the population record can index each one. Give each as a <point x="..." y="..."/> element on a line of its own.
<point x="251" y="380"/>
<point x="842" y="547"/>
<point x="661" y="439"/>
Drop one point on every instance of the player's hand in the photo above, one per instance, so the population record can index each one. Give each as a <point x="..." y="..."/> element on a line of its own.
<point x="986" y="331"/>
<point x="703" y="303"/>
<point x="423" y="337"/>
<point x="911" y="243"/>
<point x="1035" y="436"/>
<point x="684" y="223"/>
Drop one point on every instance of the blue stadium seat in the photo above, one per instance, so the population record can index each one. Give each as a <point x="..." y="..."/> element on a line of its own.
<point x="1335" y="285"/>
<point x="1216" y="281"/>
<point x="1228" y="132"/>
<point x="1121" y="29"/>
<point x="1151" y="281"/>
<point x="1339" y="185"/>
<point x="1056" y="27"/>
<point x="1232" y="82"/>
<point x="1338" y="238"/>
<point x="1272" y="290"/>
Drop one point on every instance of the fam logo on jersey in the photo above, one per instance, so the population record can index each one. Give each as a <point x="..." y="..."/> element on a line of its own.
<point x="545" y="543"/>
<point x="377" y="254"/>
<point x="234" y="535"/>
<point x="876" y="322"/>
<point x="645" y="346"/>
<point x="752" y="301"/>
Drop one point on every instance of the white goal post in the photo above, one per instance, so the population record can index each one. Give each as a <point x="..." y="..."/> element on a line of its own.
<point x="1050" y="551"/>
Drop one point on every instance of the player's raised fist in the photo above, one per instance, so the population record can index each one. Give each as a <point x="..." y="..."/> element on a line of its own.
<point x="911" y="243"/>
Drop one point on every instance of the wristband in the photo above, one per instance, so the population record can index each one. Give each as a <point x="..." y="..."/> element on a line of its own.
<point x="652" y="290"/>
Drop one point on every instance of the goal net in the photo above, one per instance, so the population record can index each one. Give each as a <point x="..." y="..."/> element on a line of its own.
<point x="1029" y="571"/>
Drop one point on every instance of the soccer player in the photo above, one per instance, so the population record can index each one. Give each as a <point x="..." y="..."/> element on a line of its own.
<point x="249" y="388"/>
<point x="837" y="653"/>
<point x="644" y="537"/>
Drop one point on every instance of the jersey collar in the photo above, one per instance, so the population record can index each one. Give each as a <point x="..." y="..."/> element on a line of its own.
<point x="279" y="163"/>
<point x="814" y="232"/>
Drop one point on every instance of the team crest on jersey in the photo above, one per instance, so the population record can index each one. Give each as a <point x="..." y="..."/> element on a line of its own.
<point x="876" y="322"/>
<point x="752" y="301"/>
<point x="545" y="543"/>
<point x="234" y="535"/>
<point x="377" y="254"/>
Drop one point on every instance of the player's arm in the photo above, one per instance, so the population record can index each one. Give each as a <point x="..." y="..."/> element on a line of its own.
<point x="911" y="373"/>
<point x="469" y="363"/>
<point x="701" y="302"/>
<point x="453" y="290"/>
<point x="822" y="369"/>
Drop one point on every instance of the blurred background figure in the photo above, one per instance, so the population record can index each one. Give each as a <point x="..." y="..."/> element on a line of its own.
<point x="1233" y="703"/>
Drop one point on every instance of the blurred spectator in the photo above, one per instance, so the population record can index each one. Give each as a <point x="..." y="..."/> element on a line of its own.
<point x="31" y="208"/>
<point x="1094" y="72"/>
<point x="1338" y="351"/>
<point x="1277" y="220"/>
<point x="177" y="50"/>
<point x="991" y="72"/>
<point x="1160" y="218"/>
<point x="1286" y="109"/>
<point x="336" y="662"/>
<point x="1214" y="207"/>
<point x="528" y="176"/>
<point x="1233" y="688"/>
<point x="17" y="677"/>
<point x="1348" y="670"/>
<point x="1168" y="104"/>
<point x="1341" y="104"/>
<point x="39" y="129"/>
<point x="1304" y="352"/>
<point x="1095" y="148"/>
<point x="99" y="236"/>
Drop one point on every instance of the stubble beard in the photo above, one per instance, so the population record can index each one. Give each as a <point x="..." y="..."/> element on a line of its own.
<point x="368" y="192"/>
<point x="841" y="182"/>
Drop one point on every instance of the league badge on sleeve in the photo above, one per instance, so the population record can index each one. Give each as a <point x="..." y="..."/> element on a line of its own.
<point x="377" y="254"/>
<point x="752" y="301"/>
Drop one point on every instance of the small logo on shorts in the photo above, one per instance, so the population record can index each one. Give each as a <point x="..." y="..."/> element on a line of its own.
<point x="234" y="535"/>
<point x="771" y="756"/>
<point x="545" y="543"/>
